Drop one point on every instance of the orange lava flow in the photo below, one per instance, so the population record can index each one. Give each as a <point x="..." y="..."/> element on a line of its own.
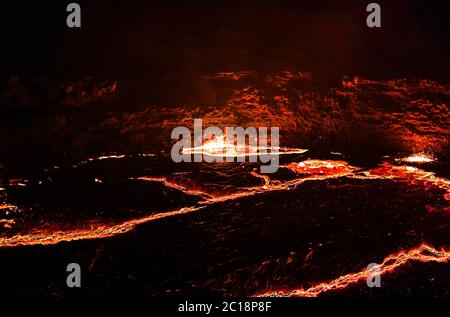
<point x="423" y="253"/>
<point x="322" y="167"/>
<point x="308" y="170"/>
<point x="408" y="174"/>
<point x="48" y="237"/>
<point x="98" y="231"/>
<point x="317" y="170"/>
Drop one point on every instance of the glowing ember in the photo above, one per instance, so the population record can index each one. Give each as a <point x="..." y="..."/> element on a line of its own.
<point x="109" y="157"/>
<point x="7" y="206"/>
<point x="7" y="223"/>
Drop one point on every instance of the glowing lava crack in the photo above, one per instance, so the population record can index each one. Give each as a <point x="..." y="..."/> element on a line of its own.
<point x="94" y="232"/>
<point x="308" y="170"/>
<point x="423" y="253"/>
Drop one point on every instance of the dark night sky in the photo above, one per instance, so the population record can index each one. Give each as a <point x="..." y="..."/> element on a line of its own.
<point x="149" y="38"/>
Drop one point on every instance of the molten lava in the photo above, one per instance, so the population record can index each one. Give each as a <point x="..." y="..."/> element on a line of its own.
<point x="218" y="146"/>
<point x="322" y="167"/>
<point x="417" y="158"/>
<point x="308" y="170"/>
<point x="423" y="253"/>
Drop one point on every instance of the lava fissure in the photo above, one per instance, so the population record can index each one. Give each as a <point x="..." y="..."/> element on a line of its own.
<point x="423" y="253"/>
<point x="308" y="170"/>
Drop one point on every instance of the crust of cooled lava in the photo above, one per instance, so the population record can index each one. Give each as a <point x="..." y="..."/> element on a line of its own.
<point x="70" y="120"/>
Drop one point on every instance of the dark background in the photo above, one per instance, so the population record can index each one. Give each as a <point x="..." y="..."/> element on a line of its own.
<point x="135" y="39"/>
